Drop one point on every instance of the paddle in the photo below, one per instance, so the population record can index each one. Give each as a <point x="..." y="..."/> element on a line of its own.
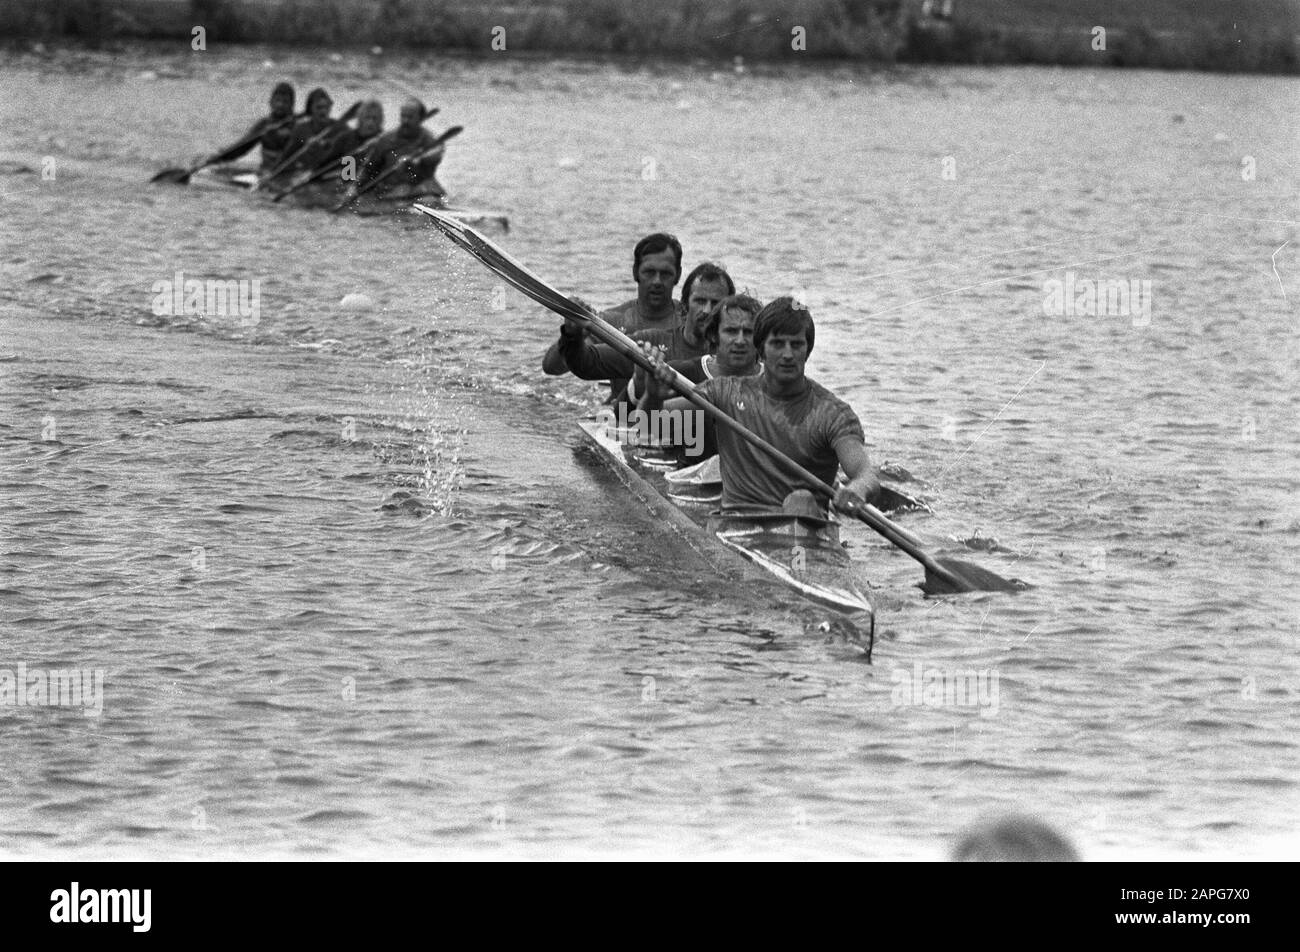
<point x="941" y="576"/>
<point x="401" y="164"/>
<point x="182" y="176"/>
<point x="315" y="175"/>
<point x="332" y="166"/>
<point x="333" y="129"/>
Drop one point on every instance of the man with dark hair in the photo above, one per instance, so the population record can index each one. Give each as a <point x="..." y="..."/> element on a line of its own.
<point x="796" y="415"/>
<point x="317" y="120"/>
<point x="271" y="132"/>
<point x="703" y="289"/>
<point x="656" y="268"/>
<point x="1014" y="839"/>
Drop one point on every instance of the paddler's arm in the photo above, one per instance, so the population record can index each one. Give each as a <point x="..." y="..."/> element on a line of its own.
<point x="429" y="164"/>
<point x="572" y="335"/>
<point x="659" y="388"/>
<point x="588" y="361"/>
<point x="254" y="135"/>
<point x="373" y="162"/>
<point x="554" y="361"/>
<point x="862" y="485"/>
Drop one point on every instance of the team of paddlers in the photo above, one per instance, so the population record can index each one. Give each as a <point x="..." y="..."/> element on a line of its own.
<point x="745" y="358"/>
<point x="313" y="145"/>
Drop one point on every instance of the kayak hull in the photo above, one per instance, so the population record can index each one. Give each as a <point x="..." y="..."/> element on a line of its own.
<point x="327" y="194"/>
<point x="809" y="563"/>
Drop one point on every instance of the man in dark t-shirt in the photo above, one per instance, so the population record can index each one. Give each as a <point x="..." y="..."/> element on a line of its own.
<point x="410" y="144"/>
<point x="703" y="289"/>
<point x="271" y="132"/>
<point x="656" y="268"/>
<point x="796" y="415"/>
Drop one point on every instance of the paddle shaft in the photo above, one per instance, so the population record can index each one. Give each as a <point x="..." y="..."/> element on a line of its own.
<point x="221" y="156"/>
<point x="400" y="164"/>
<point x="868" y="514"/>
<point x="331" y="166"/>
<point x="317" y="138"/>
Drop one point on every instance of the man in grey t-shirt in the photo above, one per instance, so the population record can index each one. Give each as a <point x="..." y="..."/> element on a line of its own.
<point x="798" y="416"/>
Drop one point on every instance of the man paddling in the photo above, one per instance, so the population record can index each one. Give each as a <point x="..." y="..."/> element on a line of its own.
<point x="354" y="142"/>
<point x="703" y="289"/>
<point x="407" y="144"/>
<point x="729" y="335"/>
<point x="656" y="266"/>
<point x="271" y="132"/>
<point x="781" y="405"/>
<point x="729" y="331"/>
<point x="350" y="143"/>
<point x="316" y="122"/>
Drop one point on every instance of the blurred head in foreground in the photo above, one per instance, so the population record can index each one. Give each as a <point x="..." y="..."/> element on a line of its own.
<point x="1013" y="839"/>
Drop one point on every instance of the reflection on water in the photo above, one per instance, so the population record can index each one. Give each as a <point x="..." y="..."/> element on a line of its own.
<point x="354" y="592"/>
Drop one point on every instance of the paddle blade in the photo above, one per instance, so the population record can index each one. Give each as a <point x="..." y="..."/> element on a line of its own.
<point x="173" y="176"/>
<point x="967" y="577"/>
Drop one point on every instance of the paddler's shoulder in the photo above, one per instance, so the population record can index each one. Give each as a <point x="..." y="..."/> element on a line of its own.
<point x="822" y="395"/>
<point x="619" y="314"/>
<point x="385" y="140"/>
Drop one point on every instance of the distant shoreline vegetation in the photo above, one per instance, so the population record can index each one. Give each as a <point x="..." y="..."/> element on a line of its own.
<point x="871" y="31"/>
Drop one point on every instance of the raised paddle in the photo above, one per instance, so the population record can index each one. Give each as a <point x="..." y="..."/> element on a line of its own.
<point x="182" y="176"/>
<point x="402" y="163"/>
<point x="942" y="576"/>
<point x="334" y="128"/>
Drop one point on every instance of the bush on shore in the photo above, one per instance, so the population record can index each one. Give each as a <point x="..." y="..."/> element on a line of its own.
<point x="877" y="31"/>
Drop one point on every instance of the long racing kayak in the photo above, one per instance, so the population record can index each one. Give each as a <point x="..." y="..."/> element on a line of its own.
<point x="803" y="554"/>
<point x="326" y="194"/>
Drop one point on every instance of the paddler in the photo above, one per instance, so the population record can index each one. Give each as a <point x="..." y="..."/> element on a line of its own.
<point x="729" y="335"/>
<point x="409" y="140"/>
<point x="271" y="132"/>
<point x="316" y="121"/>
<point x="354" y="142"/>
<point x="703" y="289"/>
<point x="729" y="331"/>
<point x="656" y="268"/>
<point x="798" y="416"/>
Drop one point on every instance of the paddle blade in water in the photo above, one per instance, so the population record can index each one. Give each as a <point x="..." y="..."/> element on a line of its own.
<point x="175" y="176"/>
<point x="967" y="578"/>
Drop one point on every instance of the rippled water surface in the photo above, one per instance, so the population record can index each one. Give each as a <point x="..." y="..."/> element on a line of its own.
<point x="356" y="591"/>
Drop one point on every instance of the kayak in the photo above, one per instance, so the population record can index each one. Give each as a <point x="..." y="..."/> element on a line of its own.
<point x="802" y="553"/>
<point x="327" y="194"/>
<point x="943" y="576"/>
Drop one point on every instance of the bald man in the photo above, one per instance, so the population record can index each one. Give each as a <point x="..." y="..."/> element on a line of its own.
<point x="403" y="144"/>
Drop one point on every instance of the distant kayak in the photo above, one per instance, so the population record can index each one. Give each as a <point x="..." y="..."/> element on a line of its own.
<point x="327" y="194"/>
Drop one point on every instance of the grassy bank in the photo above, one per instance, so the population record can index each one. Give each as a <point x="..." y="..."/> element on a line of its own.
<point x="1245" y="35"/>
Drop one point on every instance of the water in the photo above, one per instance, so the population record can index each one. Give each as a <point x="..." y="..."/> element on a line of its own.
<point x="355" y="591"/>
